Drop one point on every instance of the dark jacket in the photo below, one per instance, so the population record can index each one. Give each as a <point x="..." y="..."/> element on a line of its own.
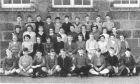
<point x="112" y="61"/>
<point x="71" y="48"/>
<point x="86" y="37"/>
<point x="66" y="27"/>
<point x="64" y="63"/>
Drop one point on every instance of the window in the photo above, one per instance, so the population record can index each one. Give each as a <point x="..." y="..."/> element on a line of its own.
<point x="16" y="3"/>
<point x="72" y="3"/>
<point x="126" y="3"/>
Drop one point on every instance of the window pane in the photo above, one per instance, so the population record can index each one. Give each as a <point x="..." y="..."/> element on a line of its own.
<point x="16" y="1"/>
<point x="78" y="2"/>
<point x="86" y="2"/>
<point x="133" y="1"/>
<point x="117" y="1"/>
<point x="66" y="2"/>
<point x="7" y="1"/>
<point x="125" y="1"/>
<point x="57" y="2"/>
<point x="25" y="1"/>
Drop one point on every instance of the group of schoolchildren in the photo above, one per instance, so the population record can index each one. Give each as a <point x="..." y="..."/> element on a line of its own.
<point x="64" y="48"/>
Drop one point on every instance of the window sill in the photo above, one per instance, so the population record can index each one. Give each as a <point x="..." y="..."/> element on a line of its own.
<point x="17" y="9"/>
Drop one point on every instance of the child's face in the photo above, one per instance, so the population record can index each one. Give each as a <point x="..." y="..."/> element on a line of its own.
<point x="121" y="37"/>
<point x="98" y="19"/>
<point x="57" y="20"/>
<point x="17" y="30"/>
<point x="91" y="36"/>
<point x="102" y="39"/>
<point x="66" y="19"/>
<point x="69" y="38"/>
<point x="26" y="39"/>
<point x="38" y="40"/>
<point x="51" y="30"/>
<point x="94" y="29"/>
<point x="29" y="29"/>
<point x="111" y="51"/>
<point x="83" y="28"/>
<point x="48" y="20"/>
<point x="40" y="28"/>
<point x="25" y="52"/>
<point x="71" y="28"/>
<point x="80" y="38"/>
<point x="29" y="19"/>
<point x="87" y="18"/>
<point x="14" y="38"/>
<point x="114" y="30"/>
<point x="77" y="19"/>
<point x="38" y="18"/>
<point x="19" y="19"/>
<point x="112" y="37"/>
<point x="104" y="31"/>
<point x="127" y="53"/>
<point x="107" y="18"/>
<point x="38" y="54"/>
<point x="48" y="40"/>
<point x="98" y="53"/>
<point x="58" y="38"/>
<point x="61" y="31"/>
<point x="81" y="52"/>
<point x="52" y="54"/>
<point x="63" y="53"/>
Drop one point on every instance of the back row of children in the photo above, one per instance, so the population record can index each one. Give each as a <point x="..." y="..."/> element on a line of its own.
<point x="46" y="48"/>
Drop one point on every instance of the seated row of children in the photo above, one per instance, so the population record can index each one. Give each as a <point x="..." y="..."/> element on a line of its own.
<point x="65" y="64"/>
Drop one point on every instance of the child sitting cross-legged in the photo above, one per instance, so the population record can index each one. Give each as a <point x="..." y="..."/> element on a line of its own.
<point x="25" y="64"/>
<point x="98" y="64"/>
<point x="38" y="65"/>
<point x="127" y="64"/>
<point x="9" y="63"/>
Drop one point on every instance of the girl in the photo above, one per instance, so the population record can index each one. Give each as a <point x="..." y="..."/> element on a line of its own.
<point x="81" y="43"/>
<point x="41" y="34"/>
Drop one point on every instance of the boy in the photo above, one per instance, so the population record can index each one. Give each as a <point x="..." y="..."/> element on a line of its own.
<point x="57" y="24"/>
<point x="88" y="23"/>
<point x="59" y="44"/>
<point x="81" y="63"/>
<point x="64" y="64"/>
<point x="66" y="25"/>
<point x="98" y="64"/>
<point x="25" y="64"/>
<point x="95" y="32"/>
<point x="112" y="62"/>
<point x="70" y="46"/>
<point x="77" y="25"/>
<point x="51" y="62"/>
<point x="38" y="65"/>
<point x="48" y="24"/>
<point x="127" y="64"/>
<point x="91" y="45"/>
<point x="73" y="33"/>
<point x="9" y="63"/>
<point x="38" y="23"/>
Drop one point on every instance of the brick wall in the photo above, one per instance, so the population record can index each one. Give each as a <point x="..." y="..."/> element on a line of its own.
<point x="126" y="20"/>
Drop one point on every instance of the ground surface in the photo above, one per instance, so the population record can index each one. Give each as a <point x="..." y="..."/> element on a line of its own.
<point x="93" y="80"/>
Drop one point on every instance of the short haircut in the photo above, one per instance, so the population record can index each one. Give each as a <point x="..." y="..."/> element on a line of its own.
<point x="25" y="49"/>
<point x="94" y="26"/>
<point x="101" y="36"/>
<point x="122" y="35"/>
<point x="112" y="35"/>
<point x="27" y="36"/>
<point x="77" y="17"/>
<point x="66" y="16"/>
<point x="30" y="26"/>
<point x="111" y="48"/>
<point x="18" y="26"/>
<point x="48" y="17"/>
<point x="19" y="16"/>
<point x="58" y="35"/>
<point x="57" y="18"/>
<point x="39" y="51"/>
<point x="38" y="16"/>
<point x="29" y="16"/>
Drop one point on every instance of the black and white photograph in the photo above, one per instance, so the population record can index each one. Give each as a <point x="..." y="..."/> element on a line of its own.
<point x="70" y="41"/>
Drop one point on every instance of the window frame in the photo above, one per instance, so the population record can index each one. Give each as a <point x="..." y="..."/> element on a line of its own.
<point x="12" y="5"/>
<point x="72" y="5"/>
<point x="127" y="5"/>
